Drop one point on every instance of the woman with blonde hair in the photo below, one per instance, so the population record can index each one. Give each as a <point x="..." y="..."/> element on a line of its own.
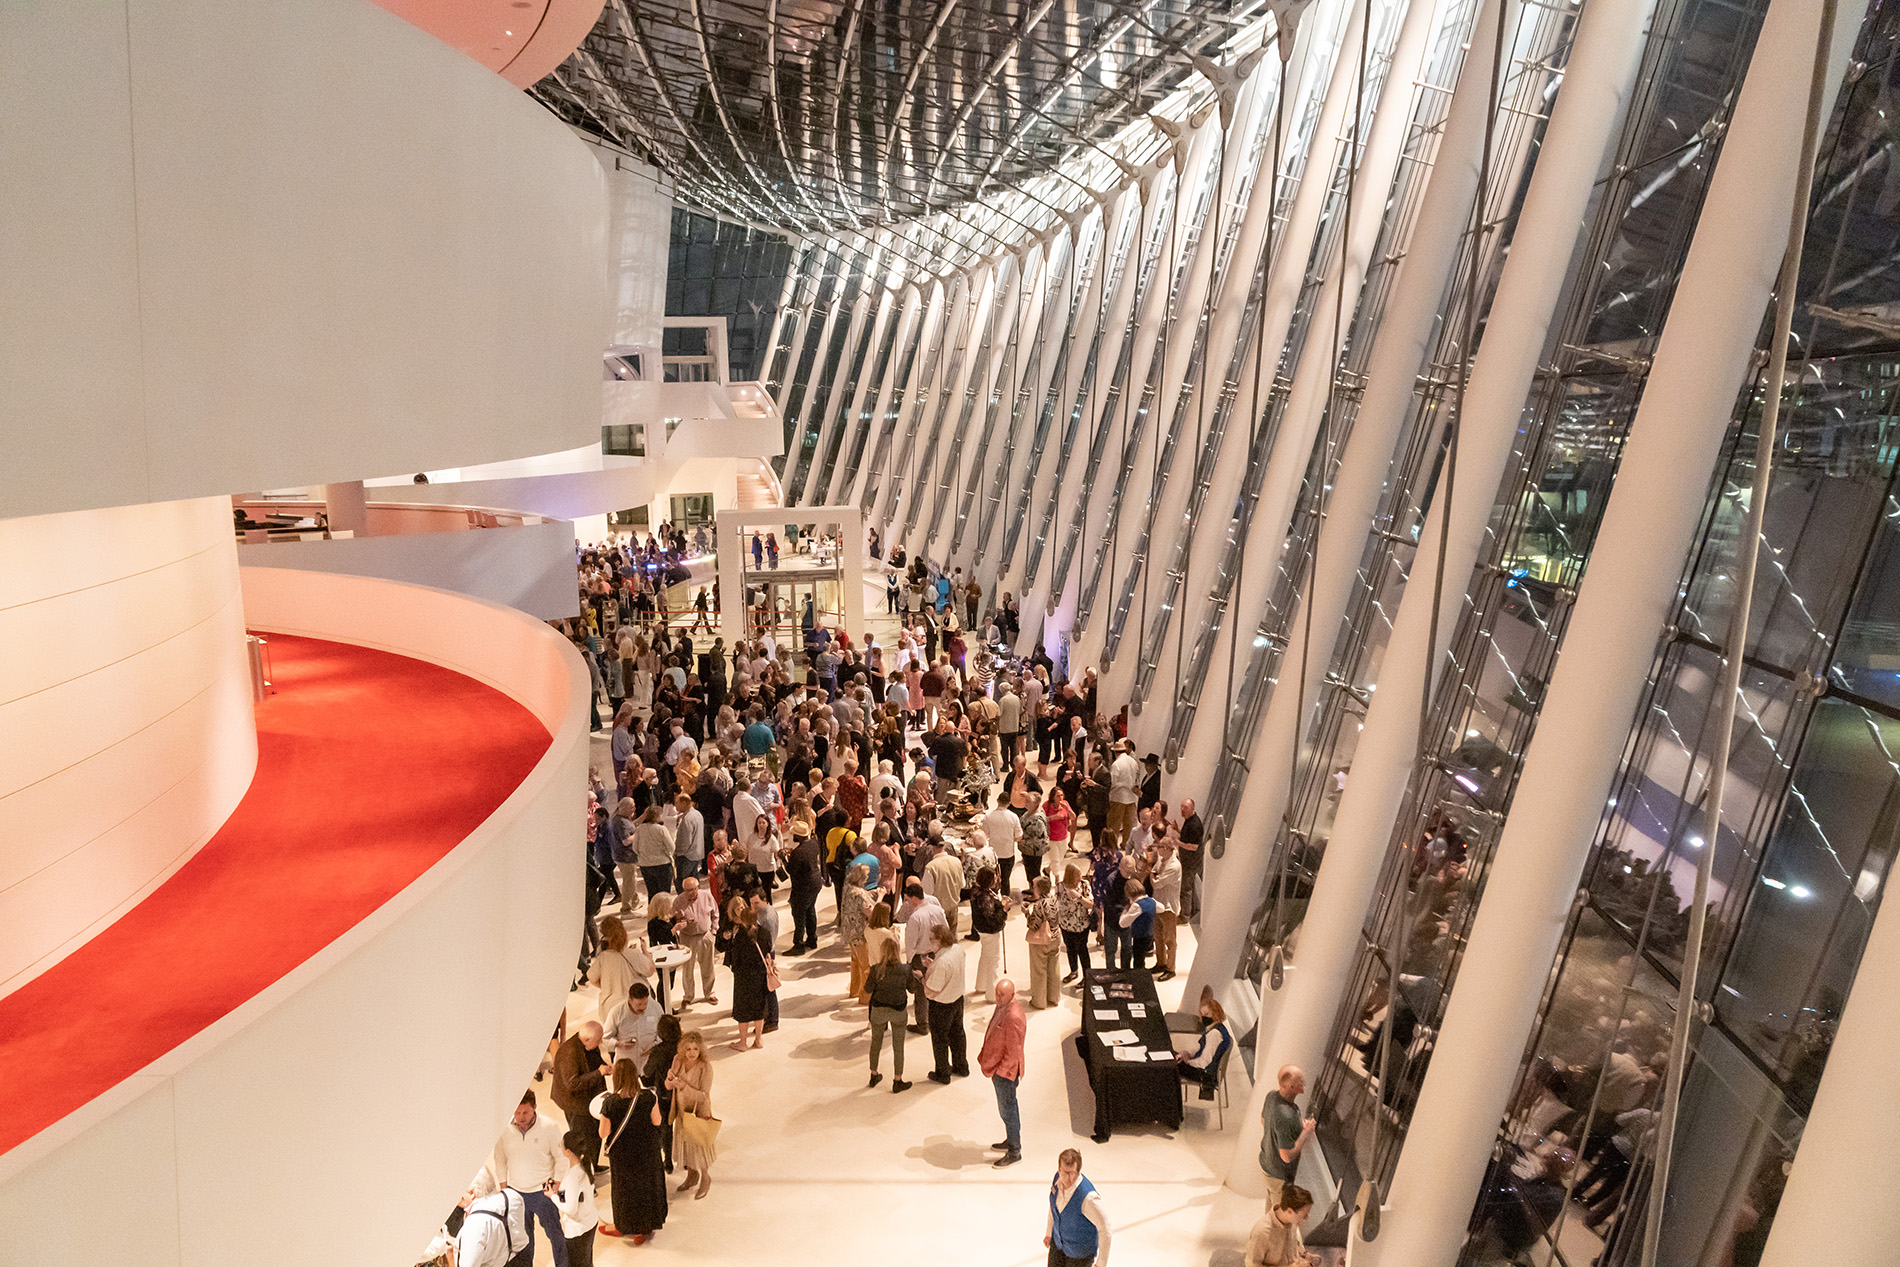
<point x="618" y="965"/>
<point x="695" y="1129"/>
<point x="749" y="958"/>
<point x="887" y="990"/>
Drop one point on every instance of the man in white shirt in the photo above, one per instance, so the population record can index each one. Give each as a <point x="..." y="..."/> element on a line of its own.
<point x="682" y="744"/>
<point x="886" y="777"/>
<point x="1124" y="789"/>
<point x="495" y="1232"/>
<point x="944" y="985"/>
<point x="1144" y="834"/>
<point x="745" y="820"/>
<point x="1165" y="886"/>
<point x="1003" y="829"/>
<point x="922" y="916"/>
<point x="526" y="1159"/>
<point x="632" y="1028"/>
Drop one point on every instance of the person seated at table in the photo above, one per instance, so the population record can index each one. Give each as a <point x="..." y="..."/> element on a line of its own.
<point x="1202" y="1066"/>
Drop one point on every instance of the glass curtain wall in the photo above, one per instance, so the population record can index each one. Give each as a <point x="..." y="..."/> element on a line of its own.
<point x="1811" y="819"/>
<point x="1508" y="628"/>
<point x="719" y="269"/>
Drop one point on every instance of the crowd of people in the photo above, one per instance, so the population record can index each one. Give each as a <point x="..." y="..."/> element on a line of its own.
<point x="908" y="783"/>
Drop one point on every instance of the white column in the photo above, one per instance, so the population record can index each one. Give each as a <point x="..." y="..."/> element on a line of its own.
<point x="831" y="415"/>
<point x="978" y="313"/>
<point x="1627" y="595"/>
<point x="812" y="399"/>
<point x="1410" y="323"/>
<point x="1176" y="409"/>
<point x="851" y="560"/>
<point x="1148" y="315"/>
<point x="847" y="481"/>
<point x="951" y="330"/>
<point x="1597" y="82"/>
<point x="1293" y="244"/>
<point x="887" y="427"/>
<point x="1848" y="1165"/>
<point x="729" y="547"/>
<point x="1378" y="162"/>
<point x="1138" y="472"/>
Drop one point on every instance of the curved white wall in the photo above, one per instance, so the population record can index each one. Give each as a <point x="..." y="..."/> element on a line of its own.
<point x="126" y="734"/>
<point x="262" y="245"/>
<point x="335" y="1117"/>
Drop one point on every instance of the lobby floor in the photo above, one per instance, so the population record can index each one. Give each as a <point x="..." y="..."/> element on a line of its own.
<point x="816" y="1167"/>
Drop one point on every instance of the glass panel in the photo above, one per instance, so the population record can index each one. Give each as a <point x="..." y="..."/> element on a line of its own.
<point x="1809" y="915"/>
<point x="1868" y="662"/>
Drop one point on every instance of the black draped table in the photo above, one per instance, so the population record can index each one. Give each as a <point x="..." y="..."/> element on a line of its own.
<point x="1125" y="1046"/>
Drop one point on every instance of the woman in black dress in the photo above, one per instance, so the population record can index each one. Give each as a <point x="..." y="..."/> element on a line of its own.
<point x="630" y="1123"/>
<point x="659" y="1060"/>
<point x="748" y="958"/>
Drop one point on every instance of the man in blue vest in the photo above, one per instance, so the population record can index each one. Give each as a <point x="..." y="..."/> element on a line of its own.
<point x="1078" y="1230"/>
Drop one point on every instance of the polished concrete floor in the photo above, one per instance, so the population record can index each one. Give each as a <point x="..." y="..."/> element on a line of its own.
<point x="816" y="1167"/>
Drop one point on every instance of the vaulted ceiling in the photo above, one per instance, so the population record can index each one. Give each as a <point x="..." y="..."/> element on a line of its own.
<point x="847" y="114"/>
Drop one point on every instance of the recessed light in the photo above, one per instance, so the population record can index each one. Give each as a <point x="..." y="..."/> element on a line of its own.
<point x="507" y="32"/>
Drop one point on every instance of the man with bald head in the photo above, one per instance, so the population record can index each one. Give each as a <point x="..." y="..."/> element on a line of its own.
<point x="580" y="1074"/>
<point x="1284" y="1133"/>
<point x="1002" y="1063"/>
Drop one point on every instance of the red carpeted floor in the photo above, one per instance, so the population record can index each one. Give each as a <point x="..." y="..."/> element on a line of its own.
<point x="370" y="768"/>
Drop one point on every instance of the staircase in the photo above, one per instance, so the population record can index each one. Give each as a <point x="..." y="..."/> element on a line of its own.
<point x="758" y="486"/>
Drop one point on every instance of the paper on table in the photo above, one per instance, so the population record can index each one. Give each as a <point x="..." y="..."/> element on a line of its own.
<point x="1118" y="1037"/>
<point x="1106" y="1014"/>
<point x="1130" y="1053"/>
<point x="1158" y="1055"/>
<point x="1138" y="1009"/>
<point x="1098" y="991"/>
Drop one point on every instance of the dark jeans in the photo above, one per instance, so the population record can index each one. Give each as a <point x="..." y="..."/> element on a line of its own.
<point x="948" y="1045"/>
<point x="1134" y="950"/>
<point x="1006" y="1109"/>
<point x="805" y="918"/>
<point x="580" y="1249"/>
<point x="917" y="991"/>
<point x="1059" y="1259"/>
<point x="1191" y="883"/>
<point x="1003" y="868"/>
<point x="543" y="1210"/>
<point x="1077" y="944"/>
<point x="658" y="879"/>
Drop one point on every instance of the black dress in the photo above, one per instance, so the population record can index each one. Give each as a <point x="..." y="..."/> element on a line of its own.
<point x="748" y="976"/>
<point x="639" y="1176"/>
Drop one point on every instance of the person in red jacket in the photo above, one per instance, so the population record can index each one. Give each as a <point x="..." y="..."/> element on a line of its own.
<point x="1002" y="1063"/>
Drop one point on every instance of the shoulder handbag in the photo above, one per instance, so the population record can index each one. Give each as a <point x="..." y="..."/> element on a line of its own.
<point x="771" y="974"/>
